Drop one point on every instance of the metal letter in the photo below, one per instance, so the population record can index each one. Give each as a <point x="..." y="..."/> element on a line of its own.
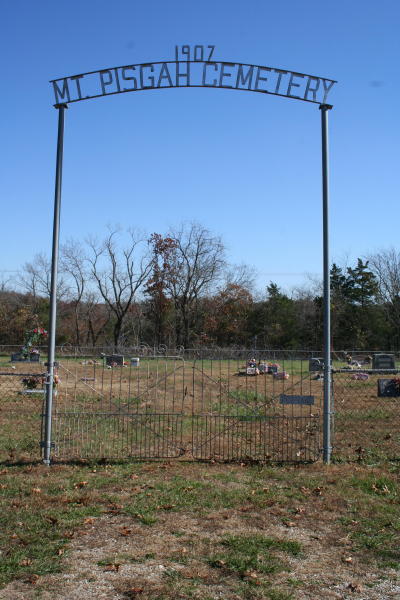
<point x="167" y="76"/>
<point x="76" y="78"/>
<point x="151" y="78"/>
<point x="311" y="89"/>
<point x="60" y="94"/>
<point x="207" y="64"/>
<point x="186" y="50"/>
<point x="278" y="83"/>
<point x="223" y="74"/>
<point x="242" y="80"/>
<point x="201" y="55"/>
<point x="327" y="89"/>
<point x="117" y="79"/>
<point x="185" y="75"/>
<point x="259" y="78"/>
<point x="211" y="52"/>
<point x="126" y="78"/>
<point x="293" y="84"/>
<point x="103" y="82"/>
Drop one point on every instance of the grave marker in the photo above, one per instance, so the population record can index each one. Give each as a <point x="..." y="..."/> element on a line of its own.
<point x="388" y="388"/>
<point x="114" y="359"/>
<point x="383" y="361"/>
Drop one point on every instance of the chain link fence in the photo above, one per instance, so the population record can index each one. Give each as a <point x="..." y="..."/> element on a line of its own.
<point x="207" y="404"/>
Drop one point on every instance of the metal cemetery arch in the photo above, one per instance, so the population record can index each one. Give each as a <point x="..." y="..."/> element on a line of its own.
<point x="192" y="67"/>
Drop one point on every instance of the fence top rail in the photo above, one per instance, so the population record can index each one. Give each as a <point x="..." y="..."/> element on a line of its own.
<point x="369" y="371"/>
<point x="37" y="374"/>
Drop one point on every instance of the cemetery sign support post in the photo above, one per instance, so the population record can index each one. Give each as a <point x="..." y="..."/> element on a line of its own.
<point x="46" y="442"/>
<point x="193" y="67"/>
<point x="327" y="449"/>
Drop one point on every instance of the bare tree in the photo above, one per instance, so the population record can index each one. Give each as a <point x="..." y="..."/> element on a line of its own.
<point x="35" y="278"/>
<point x="195" y="265"/>
<point x="118" y="274"/>
<point x="385" y="264"/>
<point x="73" y="264"/>
<point x="241" y="275"/>
<point x="96" y="316"/>
<point x="386" y="267"/>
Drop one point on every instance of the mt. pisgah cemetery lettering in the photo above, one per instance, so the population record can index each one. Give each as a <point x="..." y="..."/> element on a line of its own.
<point x="193" y="67"/>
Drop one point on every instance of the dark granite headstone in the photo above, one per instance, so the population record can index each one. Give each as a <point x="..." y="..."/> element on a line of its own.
<point x="18" y="357"/>
<point x="316" y="364"/>
<point x="114" y="359"/>
<point x="383" y="361"/>
<point x="388" y="388"/>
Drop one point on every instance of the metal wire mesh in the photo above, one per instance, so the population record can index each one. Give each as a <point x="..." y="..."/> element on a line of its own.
<point x="203" y="408"/>
<point x="367" y="414"/>
<point x="21" y="403"/>
<point x="207" y="405"/>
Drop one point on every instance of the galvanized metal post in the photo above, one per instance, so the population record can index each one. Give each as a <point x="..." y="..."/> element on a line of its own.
<point x="46" y="442"/>
<point x="327" y="448"/>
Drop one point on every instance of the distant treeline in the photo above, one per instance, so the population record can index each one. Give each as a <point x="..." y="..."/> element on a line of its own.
<point x="178" y="289"/>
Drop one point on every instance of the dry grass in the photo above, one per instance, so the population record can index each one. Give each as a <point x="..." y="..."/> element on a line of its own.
<point x="190" y="530"/>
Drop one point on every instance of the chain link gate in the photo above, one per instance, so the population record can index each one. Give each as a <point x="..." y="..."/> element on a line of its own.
<point x="199" y="408"/>
<point x="113" y="412"/>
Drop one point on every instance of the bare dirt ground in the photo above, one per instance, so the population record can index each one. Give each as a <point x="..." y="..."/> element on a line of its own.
<point x="122" y="554"/>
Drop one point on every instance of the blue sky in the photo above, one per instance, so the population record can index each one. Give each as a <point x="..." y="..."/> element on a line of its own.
<point x="247" y="166"/>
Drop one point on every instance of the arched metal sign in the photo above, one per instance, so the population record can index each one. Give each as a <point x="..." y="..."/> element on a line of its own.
<point x="193" y="67"/>
<point x="193" y="72"/>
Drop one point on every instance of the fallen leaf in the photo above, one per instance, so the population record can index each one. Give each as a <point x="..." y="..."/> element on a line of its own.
<point x="112" y="567"/>
<point x="25" y="562"/>
<point x="133" y="476"/>
<point x="36" y="490"/>
<point x="250" y="574"/>
<point x="290" y="524"/>
<point x="89" y="520"/>
<point x="32" y="579"/>
<point x="347" y="559"/>
<point x="125" y="531"/>
<point x="60" y="551"/>
<point x="300" y="510"/>
<point x="80" y="484"/>
<point x="354" y="587"/>
<point x="317" y="491"/>
<point x="69" y="534"/>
